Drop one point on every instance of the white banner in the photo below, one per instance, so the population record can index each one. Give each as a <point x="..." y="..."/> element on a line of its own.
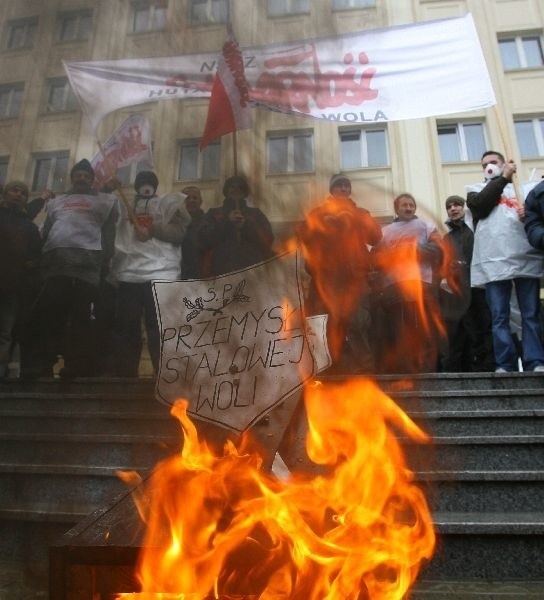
<point x="410" y="71"/>
<point x="235" y="346"/>
<point x="129" y="143"/>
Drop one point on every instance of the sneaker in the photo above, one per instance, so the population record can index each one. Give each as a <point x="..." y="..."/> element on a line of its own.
<point x="539" y="369"/>
<point x="500" y="370"/>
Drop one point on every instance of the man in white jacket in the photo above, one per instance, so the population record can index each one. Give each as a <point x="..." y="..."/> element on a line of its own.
<point x="502" y="259"/>
<point x="147" y="247"/>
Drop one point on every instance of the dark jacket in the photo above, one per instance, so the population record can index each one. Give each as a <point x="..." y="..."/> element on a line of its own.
<point x="461" y="238"/>
<point x="229" y="248"/>
<point x="20" y="245"/>
<point x="534" y="216"/>
<point x="335" y="237"/>
<point x="191" y="252"/>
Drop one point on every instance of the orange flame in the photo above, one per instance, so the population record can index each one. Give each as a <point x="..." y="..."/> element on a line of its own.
<point x="218" y="525"/>
<point x="334" y="242"/>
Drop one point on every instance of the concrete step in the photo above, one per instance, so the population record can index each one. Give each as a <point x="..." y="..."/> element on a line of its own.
<point x="44" y="491"/>
<point x="35" y="422"/>
<point x="123" y="450"/>
<point x="477" y="453"/>
<point x="488" y="547"/>
<point x="485" y="496"/>
<point x="476" y="590"/>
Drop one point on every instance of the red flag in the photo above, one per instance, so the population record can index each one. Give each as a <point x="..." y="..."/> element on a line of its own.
<point x="229" y="103"/>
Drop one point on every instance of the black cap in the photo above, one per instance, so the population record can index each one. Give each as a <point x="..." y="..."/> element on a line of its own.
<point x="83" y="165"/>
<point x="336" y="179"/>
<point x="454" y="200"/>
<point x="146" y="177"/>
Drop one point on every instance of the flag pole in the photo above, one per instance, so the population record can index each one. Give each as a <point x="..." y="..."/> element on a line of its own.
<point x="235" y="152"/>
<point x="508" y="152"/>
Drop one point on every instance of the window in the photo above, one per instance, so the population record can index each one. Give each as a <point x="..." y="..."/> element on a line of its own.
<point x="278" y="8"/>
<point x="4" y="162"/>
<point x="11" y="98"/>
<point x="194" y="164"/>
<point x="363" y="148"/>
<point x="530" y="136"/>
<point x="341" y="4"/>
<point x="60" y="96"/>
<point x="22" y="33"/>
<point x="207" y="12"/>
<point x="149" y="16"/>
<point x="521" y="52"/>
<point x="290" y="152"/>
<point x="50" y="172"/>
<point x="74" y="26"/>
<point x="461" y="141"/>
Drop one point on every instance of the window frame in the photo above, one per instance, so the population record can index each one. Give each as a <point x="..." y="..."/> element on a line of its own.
<point x="54" y="156"/>
<point x="11" y="88"/>
<point x="289" y="11"/>
<point x="29" y="41"/>
<point x="208" y="22"/>
<point x="4" y="161"/>
<point x="78" y="15"/>
<point x="69" y="101"/>
<point x="290" y="135"/>
<point x="352" y="5"/>
<point x="537" y="126"/>
<point x="363" y="146"/>
<point x="461" y="139"/>
<point x="518" y="39"/>
<point x="151" y="7"/>
<point x="200" y="160"/>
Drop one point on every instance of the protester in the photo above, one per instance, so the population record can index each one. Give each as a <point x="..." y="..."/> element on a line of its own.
<point x="191" y="252"/>
<point x="534" y="216"/>
<point x="335" y="238"/>
<point x="464" y="309"/>
<point x="502" y="259"/>
<point x="407" y="260"/>
<point x="77" y="237"/>
<point x="20" y="245"/>
<point x="147" y="247"/>
<point x="234" y="235"/>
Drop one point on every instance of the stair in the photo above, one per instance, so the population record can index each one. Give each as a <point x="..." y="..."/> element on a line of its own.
<point x="484" y="477"/>
<point x="61" y="444"/>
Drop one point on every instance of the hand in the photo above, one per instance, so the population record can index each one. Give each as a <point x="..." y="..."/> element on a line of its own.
<point x="521" y="213"/>
<point x="237" y="218"/>
<point x="509" y="169"/>
<point x="47" y="195"/>
<point x="142" y="232"/>
<point x="113" y="183"/>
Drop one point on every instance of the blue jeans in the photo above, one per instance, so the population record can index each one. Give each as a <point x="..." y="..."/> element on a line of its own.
<point x="498" y="297"/>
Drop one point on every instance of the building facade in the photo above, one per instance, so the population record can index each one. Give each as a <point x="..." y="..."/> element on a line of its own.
<point x="288" y="159"/>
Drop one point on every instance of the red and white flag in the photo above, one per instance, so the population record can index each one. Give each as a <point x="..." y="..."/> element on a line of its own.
<point x="229" y="108"/>
<point x="129" y="143"/>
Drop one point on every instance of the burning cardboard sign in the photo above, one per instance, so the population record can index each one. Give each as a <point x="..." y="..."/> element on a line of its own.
<point x="238" y="345"/>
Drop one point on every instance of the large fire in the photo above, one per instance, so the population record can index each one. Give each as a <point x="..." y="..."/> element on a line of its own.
<point x="219" y="526"/>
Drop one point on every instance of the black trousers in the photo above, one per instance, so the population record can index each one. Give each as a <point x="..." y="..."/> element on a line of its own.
<point x="62" y="322"/>
<point x="134" y="301"/>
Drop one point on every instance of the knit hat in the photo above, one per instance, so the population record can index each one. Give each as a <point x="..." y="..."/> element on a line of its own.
<point x="454" y="200"/>
<point x="20" y="184"/>
<point x="83" y="165"/>
<point x="146" y="177"/>
<point x="336" y="179"/>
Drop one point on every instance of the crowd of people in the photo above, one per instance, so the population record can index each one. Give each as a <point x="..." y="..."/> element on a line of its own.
<point x="401" y="298"/>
